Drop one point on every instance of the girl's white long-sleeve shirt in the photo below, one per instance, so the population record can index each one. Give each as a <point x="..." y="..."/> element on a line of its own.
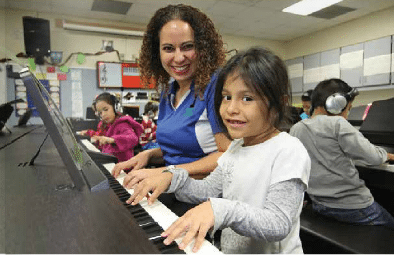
<point x="256" y="194"/>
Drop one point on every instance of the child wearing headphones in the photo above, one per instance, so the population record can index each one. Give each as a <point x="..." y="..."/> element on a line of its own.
<point x="333" y="143"/>
<point x="306" y="104"/>
<point x="116" y="134"/>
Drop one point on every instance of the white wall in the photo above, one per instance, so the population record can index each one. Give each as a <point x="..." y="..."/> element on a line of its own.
<point x="70" y="41"/>
<point x="242" y="43"/>
<point x="3" y="93"/>
<point x="2" y="32"/>
<point x="369" y="27"/>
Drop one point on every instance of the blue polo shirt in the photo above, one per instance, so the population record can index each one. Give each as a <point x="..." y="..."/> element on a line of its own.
<point x="186" y="133"/>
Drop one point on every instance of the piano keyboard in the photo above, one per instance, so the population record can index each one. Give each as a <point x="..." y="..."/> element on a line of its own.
<point x="89" y="145"/>
<point x="386" y="166"/>
<point x="153" y="218"/>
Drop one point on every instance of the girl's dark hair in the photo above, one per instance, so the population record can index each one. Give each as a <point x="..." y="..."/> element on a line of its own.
<point x="325" y="89"/>
<point x="208" y="45"/>
<point x="265" y="74"/>
<point x="307" y="96"/>
<point x="150" y="107"/>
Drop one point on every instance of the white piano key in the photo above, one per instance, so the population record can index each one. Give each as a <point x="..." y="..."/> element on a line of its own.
<point x="89" y="145"/>
<point x="165" y="217"/>
<point x="384" y="166"/>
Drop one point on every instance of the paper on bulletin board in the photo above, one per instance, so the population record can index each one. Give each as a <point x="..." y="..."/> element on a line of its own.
<point x="51" y="76"/>
<point x="312" y="75"/>
<point x="296" y="70"/>
<point x="76" y="75"/>
<point x="330" y="71"/>
<point x="76" y="94"/>
<point x="110" y="74"/>
<point x="351" y="60"/>
<point x="54" y="83"/>
<point x="377" y="65"/>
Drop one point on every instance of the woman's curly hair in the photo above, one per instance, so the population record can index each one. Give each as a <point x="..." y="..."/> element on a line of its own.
<point x="208" y="44"/>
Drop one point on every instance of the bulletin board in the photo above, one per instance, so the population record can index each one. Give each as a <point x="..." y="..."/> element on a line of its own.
<point x="119" y="75"/>
<point x="50" y="78"/>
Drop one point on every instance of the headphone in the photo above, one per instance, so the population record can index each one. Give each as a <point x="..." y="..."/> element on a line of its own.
<point x="337" y="102"/>
<point x="113" y="100"/>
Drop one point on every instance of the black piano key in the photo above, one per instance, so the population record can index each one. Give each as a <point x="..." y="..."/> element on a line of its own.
<point x="124" y="198"/>
<point x="144" y="220"/>
<point x="139" y="214"/>
<point x="172" y="248"/>
<point x="152" y="228"/>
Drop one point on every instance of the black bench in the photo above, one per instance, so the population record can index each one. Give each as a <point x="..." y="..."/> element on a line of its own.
<point x="320" y="234"/>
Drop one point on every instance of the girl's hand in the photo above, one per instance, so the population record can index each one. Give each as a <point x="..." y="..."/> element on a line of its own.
<point x="156" y="184"/>
<point x="104" y="140"/>
<point x="83" y="132"/>
<point x="137" y="176"/>
<point x="137" y="162"/>
<point x="195" y="223"/>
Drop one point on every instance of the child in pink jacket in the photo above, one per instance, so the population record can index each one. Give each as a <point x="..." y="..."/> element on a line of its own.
<point x="116" y="134"/>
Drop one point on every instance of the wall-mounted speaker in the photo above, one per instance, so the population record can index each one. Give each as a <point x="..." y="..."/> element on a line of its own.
<point x="37" y="38"/>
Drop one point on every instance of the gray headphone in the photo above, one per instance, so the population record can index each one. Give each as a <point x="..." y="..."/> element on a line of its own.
<point x="336" y="103"/>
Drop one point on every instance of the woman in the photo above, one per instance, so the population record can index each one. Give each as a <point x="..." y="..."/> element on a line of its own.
<point x="181" y="43"/>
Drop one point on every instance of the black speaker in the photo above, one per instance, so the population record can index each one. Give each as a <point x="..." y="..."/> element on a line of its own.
<point x="37" y="38"/>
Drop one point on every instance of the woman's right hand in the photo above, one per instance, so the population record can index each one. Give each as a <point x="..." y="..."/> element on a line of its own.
<point x="137" y="162"/>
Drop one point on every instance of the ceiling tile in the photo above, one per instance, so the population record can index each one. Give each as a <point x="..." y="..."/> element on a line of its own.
<point x="81" y="5"/>
<point x="253" y="14"/>
<point x="226" y="9"/>
<point x="143" y="10"/>
<point x="204" y="5"/>
<point x="244" y="2"/>
<point x="116" y="7"/>
<point x="277" y="5"/>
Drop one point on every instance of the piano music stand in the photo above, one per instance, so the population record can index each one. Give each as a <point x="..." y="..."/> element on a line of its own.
<point x="378" y="126"/>
<point x="80" y="166"/>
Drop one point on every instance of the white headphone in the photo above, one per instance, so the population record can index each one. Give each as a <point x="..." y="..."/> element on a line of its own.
<point x="336" y="103"/>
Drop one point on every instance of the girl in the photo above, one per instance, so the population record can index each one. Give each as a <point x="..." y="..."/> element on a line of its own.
<point x="255" y="194"/>
<point x="116" y="134"/>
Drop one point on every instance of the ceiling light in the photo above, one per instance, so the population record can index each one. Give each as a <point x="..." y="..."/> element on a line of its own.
<point x="306" y="7"/>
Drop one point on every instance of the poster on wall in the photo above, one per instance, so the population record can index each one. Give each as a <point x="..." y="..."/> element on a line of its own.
<point x="119" y="75"/>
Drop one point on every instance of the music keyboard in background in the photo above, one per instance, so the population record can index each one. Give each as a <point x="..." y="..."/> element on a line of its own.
<point x="155" y="218"/>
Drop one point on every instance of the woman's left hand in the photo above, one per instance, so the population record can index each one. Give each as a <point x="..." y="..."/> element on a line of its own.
<point x="196" y="222"/>
<point x="104" y="140"/>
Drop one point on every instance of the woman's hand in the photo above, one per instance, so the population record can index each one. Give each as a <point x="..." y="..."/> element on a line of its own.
<point x="137" y="162"/>
<point x="137" y="176"/>
<point x="195" y="223"/>
<point x="103" y="140"/>
<point x="156" y="184"/>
